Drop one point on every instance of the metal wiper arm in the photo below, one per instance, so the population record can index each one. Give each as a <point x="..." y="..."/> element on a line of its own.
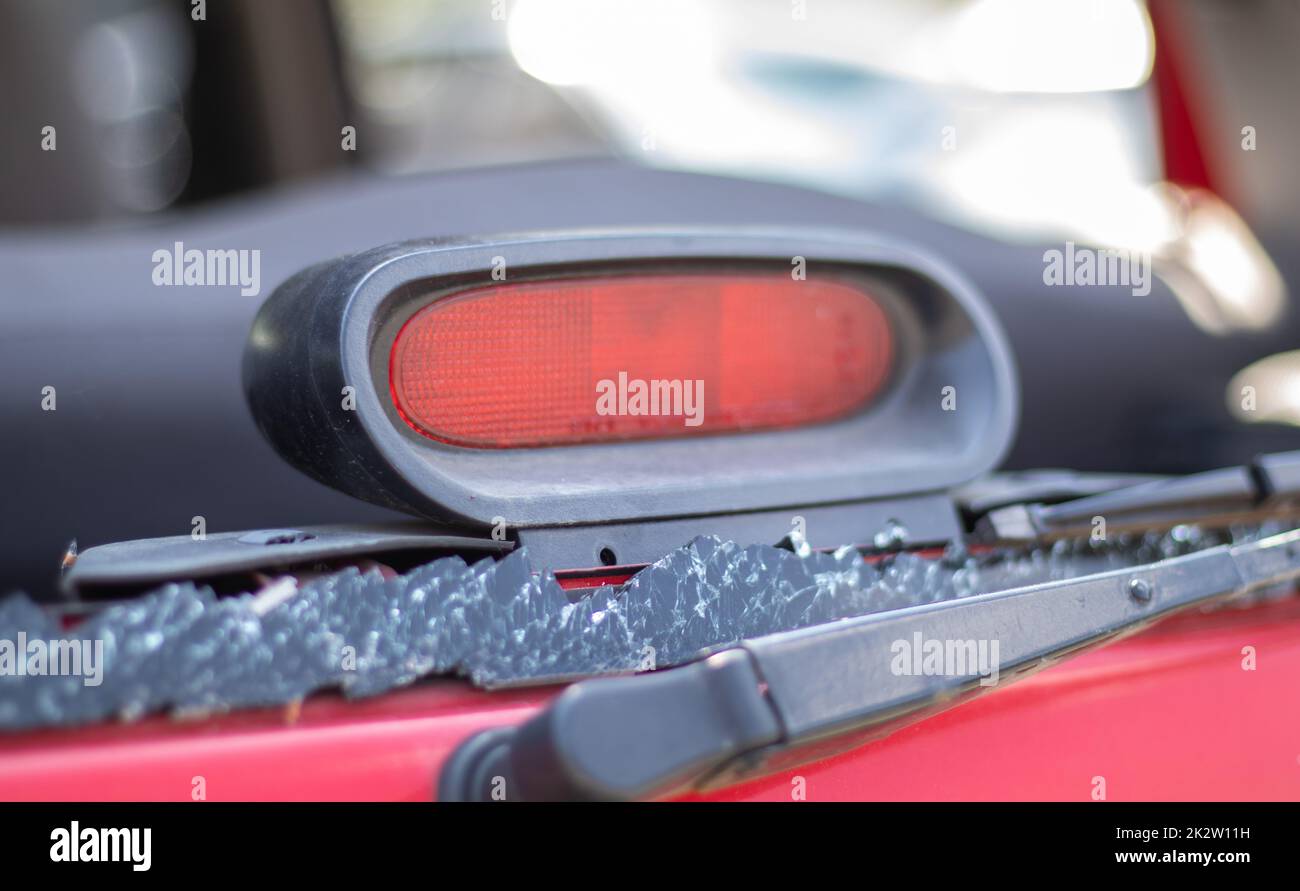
<point x="1268" y="486"/>
<point x="796" y="696"/>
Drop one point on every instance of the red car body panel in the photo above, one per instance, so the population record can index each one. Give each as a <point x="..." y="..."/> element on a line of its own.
<point x="1168" y="714"/>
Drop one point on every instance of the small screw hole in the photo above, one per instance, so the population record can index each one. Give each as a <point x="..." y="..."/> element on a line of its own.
<point x="607" y="557"/>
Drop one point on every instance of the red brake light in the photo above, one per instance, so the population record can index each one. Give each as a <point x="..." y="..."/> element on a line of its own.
<point x="538" y="363"/>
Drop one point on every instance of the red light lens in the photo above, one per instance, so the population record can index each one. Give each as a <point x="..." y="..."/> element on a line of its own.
<point x="654" y="356"/>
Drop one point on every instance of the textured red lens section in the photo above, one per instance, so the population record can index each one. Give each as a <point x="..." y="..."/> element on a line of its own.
<point x="635" y="357"/>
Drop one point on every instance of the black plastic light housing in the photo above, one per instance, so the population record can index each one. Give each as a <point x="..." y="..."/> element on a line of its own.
<point x="317" y="365"/>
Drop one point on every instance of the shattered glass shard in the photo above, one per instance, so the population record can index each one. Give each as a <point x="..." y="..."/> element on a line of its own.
<point x="182" y="648"/>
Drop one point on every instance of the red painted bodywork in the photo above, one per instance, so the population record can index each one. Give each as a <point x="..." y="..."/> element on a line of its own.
<point x="1181" y="113"/>
<point x="1168" y="714"/>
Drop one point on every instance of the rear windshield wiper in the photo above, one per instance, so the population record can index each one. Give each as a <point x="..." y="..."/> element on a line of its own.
<point x="1268" y="486"/>
<point x="795" y="696"/>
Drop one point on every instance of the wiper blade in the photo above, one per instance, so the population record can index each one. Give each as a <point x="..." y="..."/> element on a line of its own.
<point x="1269" y="486"/>
<point x="791" y="697"/>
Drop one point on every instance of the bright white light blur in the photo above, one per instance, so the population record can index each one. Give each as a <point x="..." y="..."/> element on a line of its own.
<point x="1276" y="384"/>
<point x="1220" y="273"/>
<point x="1070" y="173"/>
<point x="603" y="42"/>
<point x="1221" y="250"/>
<point x="654" y="71"/>
<point x="1041" y="167"/>
<point x="1061" y="46"/>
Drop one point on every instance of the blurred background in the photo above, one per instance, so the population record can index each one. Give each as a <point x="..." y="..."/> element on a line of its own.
<point x="1023" y="119"/>
<point x="987" y="129"/>
<point x="967" y="108"/>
